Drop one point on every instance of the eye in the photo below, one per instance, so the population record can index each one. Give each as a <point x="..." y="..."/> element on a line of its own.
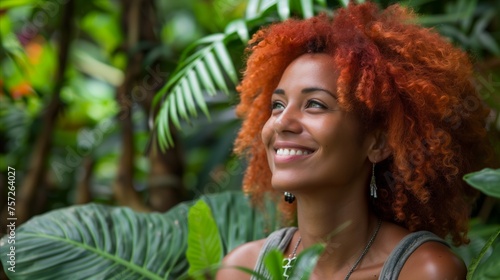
<point x="277" y="105"/>
<point x="315" y="104"/>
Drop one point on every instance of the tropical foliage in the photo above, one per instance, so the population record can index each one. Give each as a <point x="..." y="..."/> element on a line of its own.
<point x="100" y="103"/>
<point x="76" y="93"/>
<point x="102" y="242"/>
<point x="189" y="241"/>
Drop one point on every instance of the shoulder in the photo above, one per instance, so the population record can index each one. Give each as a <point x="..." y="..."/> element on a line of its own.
<point x="430" y="260"/>
<point x="245" y="255"/>
<point x="433" y="260"/>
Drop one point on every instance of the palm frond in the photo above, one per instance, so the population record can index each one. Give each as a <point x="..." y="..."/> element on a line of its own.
<point x="206" y="66"/>
<point x="283" y="9"/>
<point x="344" y="2"/>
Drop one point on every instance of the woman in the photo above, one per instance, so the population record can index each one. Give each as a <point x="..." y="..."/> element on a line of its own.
<point x="367" y="123"/>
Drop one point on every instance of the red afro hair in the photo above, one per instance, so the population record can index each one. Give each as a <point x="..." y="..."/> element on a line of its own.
<point x="396" y="76"/>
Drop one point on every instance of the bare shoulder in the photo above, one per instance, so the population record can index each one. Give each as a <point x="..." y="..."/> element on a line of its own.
<point x="244" y="255"/>
<point x="433" y="260"/>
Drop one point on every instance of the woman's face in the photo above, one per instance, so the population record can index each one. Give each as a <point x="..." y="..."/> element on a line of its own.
<point x="310" y="141"/>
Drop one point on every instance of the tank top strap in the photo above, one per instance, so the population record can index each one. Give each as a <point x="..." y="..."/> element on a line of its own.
<point x="394" y="263"/>
<point x="279" y="240"/>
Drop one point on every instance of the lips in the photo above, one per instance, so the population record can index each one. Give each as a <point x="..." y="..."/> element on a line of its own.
<point x="285" y="152"/>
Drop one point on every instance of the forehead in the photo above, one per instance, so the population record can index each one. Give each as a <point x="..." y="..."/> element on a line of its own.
<point x="310" y="70"/>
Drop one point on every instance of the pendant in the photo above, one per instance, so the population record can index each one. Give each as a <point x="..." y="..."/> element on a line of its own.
<point x="287" y="265"/>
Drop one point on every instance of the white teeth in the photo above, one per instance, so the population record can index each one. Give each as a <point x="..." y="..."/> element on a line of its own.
<point x="291" y="152"/>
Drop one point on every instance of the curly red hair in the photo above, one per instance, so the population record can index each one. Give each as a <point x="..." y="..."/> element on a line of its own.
<point x="396" y="76"/>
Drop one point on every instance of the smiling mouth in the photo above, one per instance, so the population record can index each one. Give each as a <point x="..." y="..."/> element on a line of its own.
<point x="292" y="152"/>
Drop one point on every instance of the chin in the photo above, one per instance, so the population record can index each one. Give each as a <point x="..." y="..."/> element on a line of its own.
<point x="284" y="185"/>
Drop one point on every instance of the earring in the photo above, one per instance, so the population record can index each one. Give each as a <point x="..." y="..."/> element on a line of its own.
<point x="289" y="197"/>
<point x="373" y="184"/>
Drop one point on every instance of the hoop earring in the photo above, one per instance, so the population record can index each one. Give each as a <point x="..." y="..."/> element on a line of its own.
<point x="289" y="197"/>
<point x="373" y="183"/>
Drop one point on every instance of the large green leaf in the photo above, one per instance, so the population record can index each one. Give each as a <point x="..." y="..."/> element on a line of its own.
<point x="102" y="242"/>
<point x="486" y="180"/>
<point x="96" y="241"/>
<point x="274" y="264"/>
<point x="237" y="222"/>
<point x="306" y="262"/>
<point x="479" y="233"/>
<point x="204" y="245"/>
<point x="489" y="268"/>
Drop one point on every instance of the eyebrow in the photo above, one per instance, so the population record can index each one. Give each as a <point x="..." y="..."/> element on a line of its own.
<point x="306" y="91"/>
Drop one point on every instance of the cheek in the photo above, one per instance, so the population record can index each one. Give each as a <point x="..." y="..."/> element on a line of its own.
<point x="340" y="139"/>
<point x="347" y="148"/>
<point x="267" y="132"/>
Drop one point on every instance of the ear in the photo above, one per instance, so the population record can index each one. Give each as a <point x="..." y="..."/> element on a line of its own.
<point x="378" y="148"/>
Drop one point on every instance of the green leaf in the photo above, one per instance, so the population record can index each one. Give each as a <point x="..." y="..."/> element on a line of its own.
<point x="344" y="2"/>
<point x="455" y="33"/>
<point x="181" y="70"/>
<point x="172" y="82"/>
<point x="160" y="131"/>
<point x="197" y="92"/>
<point x="216" y="72"/>
<point x="488" y="269"/>
<point x="306" y="262"/>
<point x="210" y="39"/>
<point x="265" y="5"/>
<point x="230" y="220"/>
<point x="307" y="8"/>
<point x="97" y="241"/>
<point x="440" y="19"/>
<point x="204" y="274"/>
<point x="204" y="245"/>
<point x="489" y="43"/>
<point x="479" y="233"/>
<point x="283" y="9"/>
<point x="322" y="3"/>
<point x="496" y="257"/>
<point x="483" y="22"/>
<point x="189" y="98"/>
<point x="206" y="81"/>
<point x="164" y="128"/>
<point x="486" y="180"/>
<point x="467" y="7"/>
<point x="252" y="272"/>
<point x="252" y="8"/>
<point x="173" y="109"/>
<point x="181" y="105"/>
<point x="102" y="242"/>
<point x="415" y="3"/>
<point x="8" y="4"/>
<point x="274" y="264"/>
<point x="225" y="60"/>
<point x="239" y="27"/>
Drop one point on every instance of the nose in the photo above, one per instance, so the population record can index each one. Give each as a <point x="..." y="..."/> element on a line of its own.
<point x="289" y="120"/>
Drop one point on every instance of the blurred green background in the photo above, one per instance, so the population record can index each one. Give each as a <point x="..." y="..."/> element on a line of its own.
<point x="78" y="78"/>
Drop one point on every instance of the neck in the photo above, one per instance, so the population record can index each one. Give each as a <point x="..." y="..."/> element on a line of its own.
<point x="344" y="224"/>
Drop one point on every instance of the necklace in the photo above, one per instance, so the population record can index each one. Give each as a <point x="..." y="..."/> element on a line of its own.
<point x="290" y="261"/>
